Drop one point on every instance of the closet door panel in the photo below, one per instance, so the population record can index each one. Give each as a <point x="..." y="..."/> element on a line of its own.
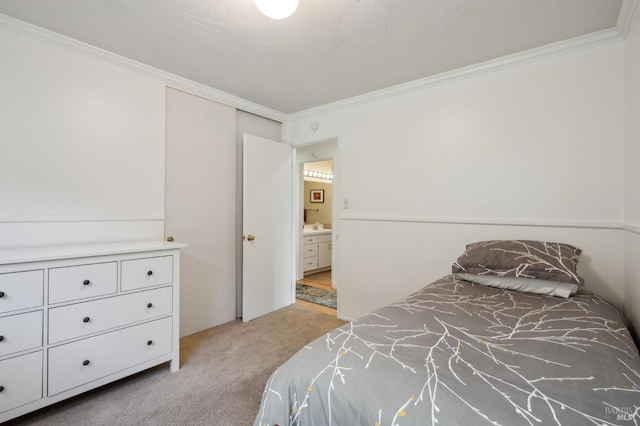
<point x="200" y="200"/>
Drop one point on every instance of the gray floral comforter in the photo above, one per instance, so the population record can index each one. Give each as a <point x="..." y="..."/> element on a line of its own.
<point x="460" y="353"/>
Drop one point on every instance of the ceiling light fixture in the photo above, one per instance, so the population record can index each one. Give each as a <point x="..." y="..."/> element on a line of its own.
<point x="277" y="9"/>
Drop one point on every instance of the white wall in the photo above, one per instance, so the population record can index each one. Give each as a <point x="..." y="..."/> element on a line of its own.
<point x="386" y="260"/>
<point x="81" y="147"/>
<point x="536" y="144"/>
<point x="632" y="176"/>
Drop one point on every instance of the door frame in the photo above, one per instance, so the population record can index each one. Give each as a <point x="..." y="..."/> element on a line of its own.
<point x="327" y="149"/>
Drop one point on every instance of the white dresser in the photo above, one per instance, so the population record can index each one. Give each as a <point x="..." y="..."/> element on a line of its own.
<point x="73" y="318"/>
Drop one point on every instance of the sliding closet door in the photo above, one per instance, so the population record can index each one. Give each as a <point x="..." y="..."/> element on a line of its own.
<point x="200" y="206"/>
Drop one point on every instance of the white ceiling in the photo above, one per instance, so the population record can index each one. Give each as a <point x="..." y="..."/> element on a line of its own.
<point x="328" y="50"/>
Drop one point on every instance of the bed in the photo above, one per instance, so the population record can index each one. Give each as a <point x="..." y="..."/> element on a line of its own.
<point x="463" y="352"/>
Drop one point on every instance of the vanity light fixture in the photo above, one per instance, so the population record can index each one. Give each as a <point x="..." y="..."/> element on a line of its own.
<point x="318" y="175"/>
<point x="277" y="9"/>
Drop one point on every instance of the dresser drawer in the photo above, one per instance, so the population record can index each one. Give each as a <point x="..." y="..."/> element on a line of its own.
<point x="21" y="290"/>
<point x="21" y="378"/>
<point x="83" y="281"/>
<point x="310" y="251"/>
<point x="20" y="332"/>
<point x="310" y="263"/>
<point x="81" y="319"/>
<point x="81" y="362"/>
<point x="310" y="240"/>
<point x="140" y="273"/>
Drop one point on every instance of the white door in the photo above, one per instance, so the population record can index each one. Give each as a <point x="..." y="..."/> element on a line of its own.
<point x="267" y="278"/>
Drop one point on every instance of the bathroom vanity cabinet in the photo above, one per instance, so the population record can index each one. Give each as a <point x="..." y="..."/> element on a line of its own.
<point x="317" y="250"/>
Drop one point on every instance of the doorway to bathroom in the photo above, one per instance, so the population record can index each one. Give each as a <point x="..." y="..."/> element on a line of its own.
<point x="317" y="190"/>
<point x="315" y="289"/>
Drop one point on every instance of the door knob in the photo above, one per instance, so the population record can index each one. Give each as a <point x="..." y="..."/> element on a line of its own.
<point x="251" y="237"/>
<point x="170" y="239"/>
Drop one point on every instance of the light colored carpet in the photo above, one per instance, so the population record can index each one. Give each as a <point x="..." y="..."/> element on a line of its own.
<point x="222" y="376"/>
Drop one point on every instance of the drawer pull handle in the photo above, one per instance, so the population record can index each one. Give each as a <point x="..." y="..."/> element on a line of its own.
<point x="86" y="282"/>
<point x="1" y="294"/>
<point x="1" y="338"/>
<point x="149" y="305"/>
<point x="149" y="342"/>
<point x="86" y="362"/>
<point x="86" y="319"/>
<point x="1" y="388"/>
<point x="150" y="273"/>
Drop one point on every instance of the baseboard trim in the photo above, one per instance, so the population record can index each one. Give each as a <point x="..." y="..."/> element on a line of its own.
<point x="343" y="318"/>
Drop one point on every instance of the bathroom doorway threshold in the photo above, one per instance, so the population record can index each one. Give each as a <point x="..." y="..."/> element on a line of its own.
<point x="320" y="280"/>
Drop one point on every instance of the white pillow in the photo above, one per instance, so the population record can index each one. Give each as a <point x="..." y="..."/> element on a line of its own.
<point x="528" y="285"/>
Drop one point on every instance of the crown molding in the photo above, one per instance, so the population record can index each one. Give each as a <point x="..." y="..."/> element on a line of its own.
<point x="632" y="227"/>
<point x="34" y="32"/>
<point x="625" y="16"/>
<point x="587" y="41"/>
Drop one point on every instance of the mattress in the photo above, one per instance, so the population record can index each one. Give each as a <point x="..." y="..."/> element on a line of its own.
<point x="462" y="353"/>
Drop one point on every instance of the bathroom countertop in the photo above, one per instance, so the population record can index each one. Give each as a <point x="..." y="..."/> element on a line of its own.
<point x="316" y="231"/>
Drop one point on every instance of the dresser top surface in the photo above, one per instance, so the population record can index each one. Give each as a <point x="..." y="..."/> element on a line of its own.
<point x="46" y="253"/>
